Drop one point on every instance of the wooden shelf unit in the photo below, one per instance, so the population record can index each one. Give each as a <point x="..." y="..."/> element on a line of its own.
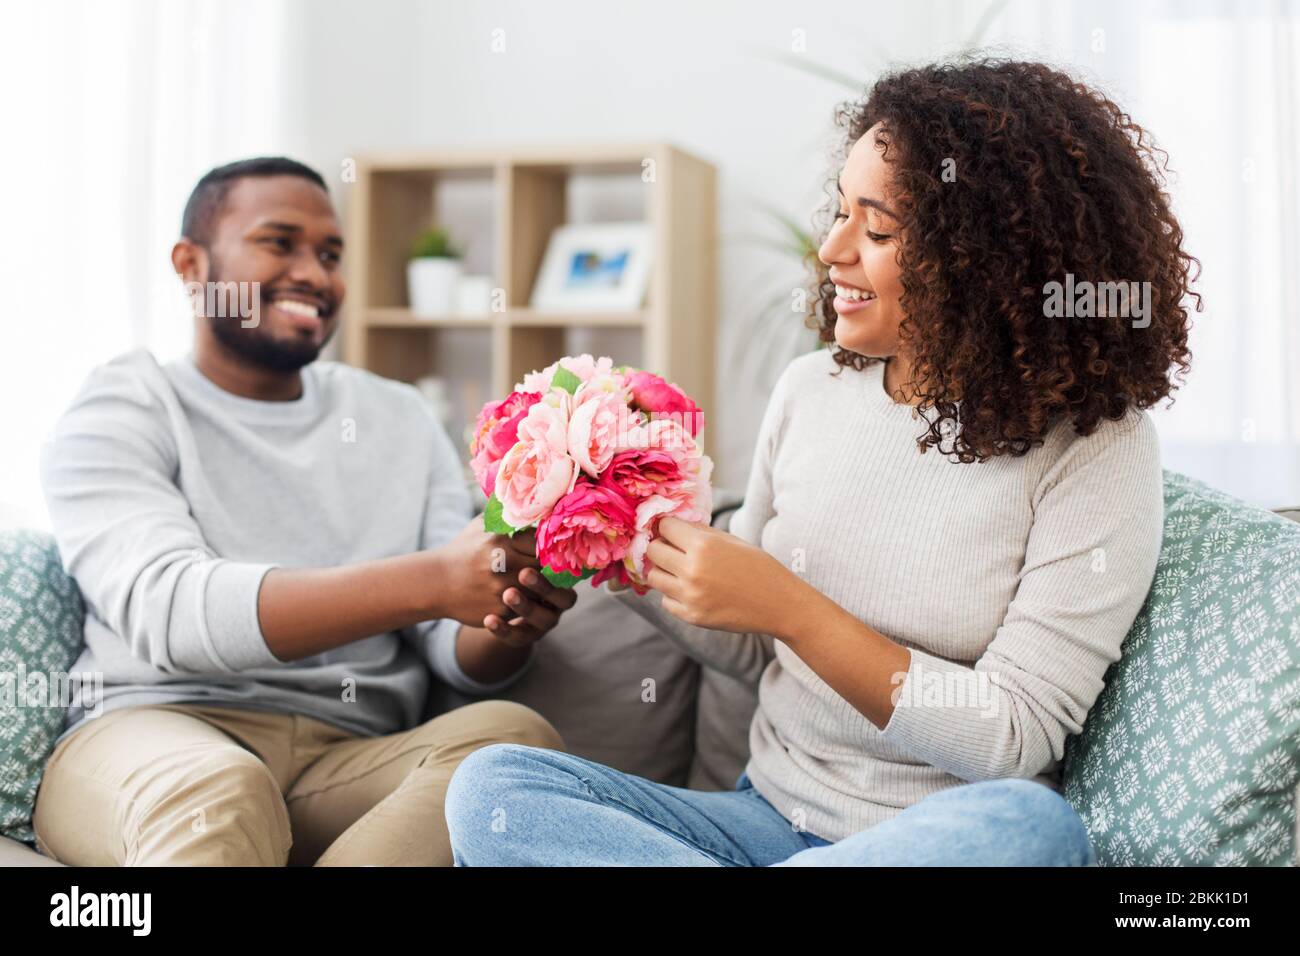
<point x="395" y="197"/>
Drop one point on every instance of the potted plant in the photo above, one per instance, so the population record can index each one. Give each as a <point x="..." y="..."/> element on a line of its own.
<point x="431" y="273"/>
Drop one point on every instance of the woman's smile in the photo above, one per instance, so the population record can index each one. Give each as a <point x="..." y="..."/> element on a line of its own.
<point x="850" y="299"/>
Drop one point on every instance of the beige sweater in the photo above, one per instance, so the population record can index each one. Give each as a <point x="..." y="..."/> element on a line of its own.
<point x="1013" y="582"/>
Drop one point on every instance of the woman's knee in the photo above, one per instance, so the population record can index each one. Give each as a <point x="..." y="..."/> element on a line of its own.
<point x="484" y="784"/>
<point x="1051" y="832"/>
<point x="482" y="775"/>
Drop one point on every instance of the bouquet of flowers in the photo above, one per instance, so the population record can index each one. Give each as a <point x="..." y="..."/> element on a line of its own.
<point x="592" y="456"/>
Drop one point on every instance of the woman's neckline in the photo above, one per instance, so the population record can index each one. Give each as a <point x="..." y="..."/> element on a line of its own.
<point x="884" y="403"/>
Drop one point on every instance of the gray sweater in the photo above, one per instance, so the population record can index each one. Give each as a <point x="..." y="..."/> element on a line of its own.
<point x="170" y="499"/>
<point x="1013" y="583"/>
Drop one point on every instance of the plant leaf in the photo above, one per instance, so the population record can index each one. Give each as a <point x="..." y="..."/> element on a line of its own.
<point x="493" y="523"/>
<point x="566" y="380"/>
<point x="563" y="579"/>
<point x="815" y="68"/>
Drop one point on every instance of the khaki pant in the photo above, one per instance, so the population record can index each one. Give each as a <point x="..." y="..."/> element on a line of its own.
<point x="204" y="785"/>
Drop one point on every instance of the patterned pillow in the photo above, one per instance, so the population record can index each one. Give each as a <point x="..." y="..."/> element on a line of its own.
<point x="1191" y="755"/>
<point x="40" y="634"/>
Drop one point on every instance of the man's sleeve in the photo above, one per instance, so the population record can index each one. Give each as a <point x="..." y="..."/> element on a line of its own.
<point x="447" y="510"/>
<point x="1089" y="563"/>
<point x="126" y="535"/>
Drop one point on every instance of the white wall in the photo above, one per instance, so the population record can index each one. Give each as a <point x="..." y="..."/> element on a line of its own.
<point x="129" y="101"/>
<point x="701" y="75"/>
<point x="711" y="78"/>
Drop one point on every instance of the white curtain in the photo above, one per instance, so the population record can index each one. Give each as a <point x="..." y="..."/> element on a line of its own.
<point x="1218" y="84"/>
<point x="1230" y="123"/>
<point x="112" y="112"/>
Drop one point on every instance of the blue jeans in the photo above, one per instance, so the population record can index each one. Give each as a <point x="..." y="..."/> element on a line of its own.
<point x="512" y="805"/>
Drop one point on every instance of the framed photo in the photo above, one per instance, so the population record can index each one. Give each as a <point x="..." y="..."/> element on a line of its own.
<point x="594" y="266"/>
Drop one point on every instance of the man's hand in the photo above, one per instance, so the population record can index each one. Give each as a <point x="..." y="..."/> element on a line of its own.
<point x="304" y="611"/>
<point x="502" y="646"/>
<point x="475" y="570"/>
<point x="537" y="605"/>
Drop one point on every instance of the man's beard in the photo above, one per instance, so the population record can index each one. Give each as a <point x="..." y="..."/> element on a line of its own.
<point x="256" y="344"/>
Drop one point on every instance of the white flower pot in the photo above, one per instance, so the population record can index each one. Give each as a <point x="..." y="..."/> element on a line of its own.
<point x="431" y="285"/>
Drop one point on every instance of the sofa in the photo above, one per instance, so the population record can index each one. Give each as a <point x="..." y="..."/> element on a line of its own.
<point x="1190" y="756"/>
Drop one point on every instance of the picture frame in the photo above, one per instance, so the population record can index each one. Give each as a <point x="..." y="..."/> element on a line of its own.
<point x="594" y="267"/>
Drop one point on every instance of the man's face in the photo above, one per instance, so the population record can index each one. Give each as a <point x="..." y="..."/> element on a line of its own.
<point x="279" y="232"/>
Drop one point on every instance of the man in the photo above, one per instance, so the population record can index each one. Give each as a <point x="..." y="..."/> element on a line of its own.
<point x="273" y="553"/>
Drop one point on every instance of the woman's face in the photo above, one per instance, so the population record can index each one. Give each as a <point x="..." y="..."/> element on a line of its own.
<point x="861" y="251"/>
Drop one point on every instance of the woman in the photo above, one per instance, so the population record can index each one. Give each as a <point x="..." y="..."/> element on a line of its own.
<point x="929" y="627"/>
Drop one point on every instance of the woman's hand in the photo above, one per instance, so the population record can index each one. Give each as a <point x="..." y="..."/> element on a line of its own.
<point x="713" y="579"/>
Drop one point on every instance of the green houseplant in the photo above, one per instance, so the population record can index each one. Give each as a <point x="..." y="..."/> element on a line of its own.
<point x="432" y="272"/>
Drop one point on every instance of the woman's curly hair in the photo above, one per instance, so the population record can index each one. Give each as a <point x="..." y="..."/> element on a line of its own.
<point x="1051" y="178"/>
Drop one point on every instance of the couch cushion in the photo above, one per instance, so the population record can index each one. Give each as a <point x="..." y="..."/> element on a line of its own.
<point x="40" y="634"/>
<point x="723" y="713"/>
<point x="725" y="707"/>
<point x="1191" y="755"/>
<point x="13" y="853"/>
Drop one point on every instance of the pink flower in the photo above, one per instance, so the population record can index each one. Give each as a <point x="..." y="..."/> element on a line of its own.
<point x="690" y="499"/>
<point x="641" y="474"/>
<point x="495" y="433"/>
<point x="604" y="385"/>
<point x="583" y="366"/>
<point x="597" y="430"/>
<point x="653" y="395"/>
<point x="667" y="436"/>
<point x="593" y="465"/>
<point x="615" y="572"/>
<point x="537" y="472"/>
<point x="590" y="527"/>
<point x="648" y="513"/>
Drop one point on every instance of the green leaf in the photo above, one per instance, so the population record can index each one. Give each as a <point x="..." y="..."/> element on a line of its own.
<point x="493" y="523"/>
<point x="563" y="579"/>
<point x="566" y="380"/>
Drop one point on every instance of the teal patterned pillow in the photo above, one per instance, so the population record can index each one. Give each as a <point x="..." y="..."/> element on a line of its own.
<point x="1191" y="755"/>
<point x="40" y="633"/>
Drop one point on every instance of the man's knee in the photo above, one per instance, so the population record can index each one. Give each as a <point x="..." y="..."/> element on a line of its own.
<point x="457" y="734"/>
<point x="514" y="723"/>
<point x="225" y="809"/>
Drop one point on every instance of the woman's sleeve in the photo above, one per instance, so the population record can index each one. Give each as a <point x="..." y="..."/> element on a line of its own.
<point x="1090" y="560"/>
<point x="743" y="656"/>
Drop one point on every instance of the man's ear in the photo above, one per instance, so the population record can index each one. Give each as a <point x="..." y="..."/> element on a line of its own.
<point x="190" y="260"/>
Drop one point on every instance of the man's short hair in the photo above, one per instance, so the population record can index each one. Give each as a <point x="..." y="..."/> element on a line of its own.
<point x="204" y="206"/>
